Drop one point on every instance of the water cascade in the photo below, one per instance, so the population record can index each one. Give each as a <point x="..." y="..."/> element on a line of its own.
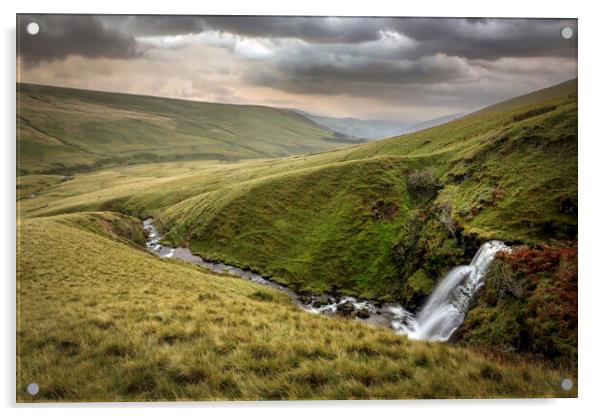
<point x="447" y="305"/>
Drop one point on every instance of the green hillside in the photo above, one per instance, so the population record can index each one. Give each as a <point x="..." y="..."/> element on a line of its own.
<point x="63" y="130"/>
<point x="383" y="220"/>
<point x="101" y="319"/>
<point x="376" y="220"/>
<point x="368" y="218"/>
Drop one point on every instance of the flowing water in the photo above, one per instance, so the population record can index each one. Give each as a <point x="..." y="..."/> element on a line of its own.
<point x="437" y="320"/>
<point x="446" y="307"/>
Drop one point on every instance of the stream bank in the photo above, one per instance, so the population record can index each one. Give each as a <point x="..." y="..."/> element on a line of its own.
<point x="439" y="317"/>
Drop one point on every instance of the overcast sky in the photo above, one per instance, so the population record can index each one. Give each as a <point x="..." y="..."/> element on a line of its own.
<point x="409" y="69"/>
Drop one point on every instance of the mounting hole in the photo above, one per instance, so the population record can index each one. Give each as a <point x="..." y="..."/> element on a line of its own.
<point x="32" y="389"/>
<point x="566" y="33"/>
<point x="33" y="28"/>
<point x="566" y="384"/>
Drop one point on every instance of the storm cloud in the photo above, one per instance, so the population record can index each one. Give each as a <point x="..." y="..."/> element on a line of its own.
<point x="391" y="67"/>
<point x="62" y="36"/>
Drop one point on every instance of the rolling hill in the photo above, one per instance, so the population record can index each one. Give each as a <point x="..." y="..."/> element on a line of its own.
<point x="61" y="130"/>
<point x="376" y="219"/>
<point x="382" y="220"/>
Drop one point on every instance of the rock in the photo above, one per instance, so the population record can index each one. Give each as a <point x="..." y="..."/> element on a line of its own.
<point x="305" y="299"/>
<point x="318" y="303"/>
<point x="363" y="313"/>
<point x="345" y="309"/>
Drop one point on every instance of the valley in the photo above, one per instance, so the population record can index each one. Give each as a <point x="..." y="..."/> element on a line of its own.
<point x="381" y="222"/>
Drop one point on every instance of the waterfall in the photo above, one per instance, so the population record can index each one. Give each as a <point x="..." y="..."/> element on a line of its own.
<point x="446" y="307"/>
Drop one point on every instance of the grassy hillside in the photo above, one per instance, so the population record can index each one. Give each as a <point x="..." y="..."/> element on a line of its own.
<point x="63" y="130"/>
<point x="381" y="220"/>
<point x="101" y="319"/>
<point x="368" y="218"/>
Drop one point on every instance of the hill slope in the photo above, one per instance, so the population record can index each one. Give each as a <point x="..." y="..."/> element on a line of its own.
<point x="64" y="130"/>
<point x="380" y="220"/>
<point x="103" y="320"/>
<point x="386" y="219"/>
<point x="375" y="129"/>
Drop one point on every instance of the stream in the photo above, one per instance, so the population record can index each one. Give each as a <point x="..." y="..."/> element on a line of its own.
<point x="442" y="313"/>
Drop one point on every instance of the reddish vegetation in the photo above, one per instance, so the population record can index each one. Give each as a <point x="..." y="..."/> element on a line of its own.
<point x="108" y="227"/>
<point x="542" y="319"/>
<point x="561" y="261"/>
<point x="543" y="257"/>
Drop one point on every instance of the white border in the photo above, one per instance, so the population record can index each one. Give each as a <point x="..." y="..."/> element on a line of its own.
<point x="589" y="184"/>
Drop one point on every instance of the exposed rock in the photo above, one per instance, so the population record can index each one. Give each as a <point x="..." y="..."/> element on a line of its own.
<point x="363" y="313"/>
<point x="305" y="299"/>
<point x="318" y="303"/>
<point x="345" y="309"/>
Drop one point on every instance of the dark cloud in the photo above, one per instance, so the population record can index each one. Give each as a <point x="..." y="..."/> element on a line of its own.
<point x="309" y="29"/>
<point x="489" y="38"/>
<point x="63" y="35"/>
<point x="466" y="37"/>
<point x="409" y="64"/>
<point x="428" y="51"/>
<point x="156" y="25"/>
<point x="299" y="73"/>
<point x="470" y="38"/>
<point x="114" y="36"/>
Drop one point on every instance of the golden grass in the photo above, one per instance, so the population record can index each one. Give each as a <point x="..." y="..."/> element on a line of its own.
<point x="101" y="320"/>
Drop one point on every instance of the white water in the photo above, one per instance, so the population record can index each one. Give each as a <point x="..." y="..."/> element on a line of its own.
<point x="440" y="316"/>
<point x="446" y="307"/>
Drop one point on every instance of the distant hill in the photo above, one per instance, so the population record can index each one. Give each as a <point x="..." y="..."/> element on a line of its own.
<point x="359" y="128"/>
<point x="374" y="129"/>
<point x="62" y="130"/>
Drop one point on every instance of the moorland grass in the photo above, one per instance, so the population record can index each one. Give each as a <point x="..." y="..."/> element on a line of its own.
<point x="100" y="319"/>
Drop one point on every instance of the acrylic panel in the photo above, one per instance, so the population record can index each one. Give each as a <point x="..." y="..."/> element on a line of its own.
<point x="295" y="208"/>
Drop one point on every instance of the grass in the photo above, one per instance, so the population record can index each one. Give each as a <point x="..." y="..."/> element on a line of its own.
<point x="29" y="186"/>
<point x="100" y="319"/>
<point x="61" y="130"/>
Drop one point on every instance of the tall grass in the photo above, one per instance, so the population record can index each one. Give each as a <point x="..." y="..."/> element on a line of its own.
<point x="101" y="320"/>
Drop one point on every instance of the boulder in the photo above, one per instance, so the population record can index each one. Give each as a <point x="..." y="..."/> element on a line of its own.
<point x="363" y="313"/>
<point x="318" y="303"/>
<point x="345" y="309"/>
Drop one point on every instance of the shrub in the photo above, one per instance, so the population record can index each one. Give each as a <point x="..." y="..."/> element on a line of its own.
<point x="422" y="182"/>
<point x="444" y="215"/>
<point x="504" y="280"/>
<point x="262" y="295"/>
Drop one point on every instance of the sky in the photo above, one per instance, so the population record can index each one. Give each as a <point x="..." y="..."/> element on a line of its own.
<point x="405" y="69"/>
